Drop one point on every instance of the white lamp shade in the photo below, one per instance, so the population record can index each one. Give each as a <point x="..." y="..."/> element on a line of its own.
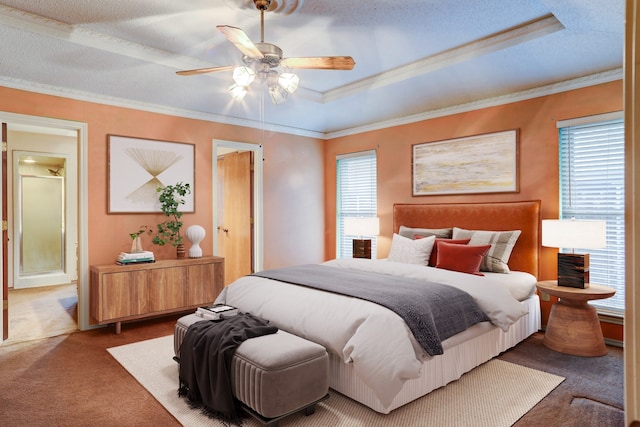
<point x="572" y="233"/>
<point x="361" y="226"/>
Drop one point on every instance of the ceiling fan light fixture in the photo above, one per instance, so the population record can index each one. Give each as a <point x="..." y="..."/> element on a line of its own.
<point x="289" y="82"/>
<point x="237" y="92"/>
<point x="278" y="94"/>
<point x="243" y="75"/>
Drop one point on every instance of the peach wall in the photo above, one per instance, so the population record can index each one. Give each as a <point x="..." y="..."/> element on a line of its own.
<point x="285" y="197"/>
<point x="538" y="155"/>
<point x="538" y="158"/>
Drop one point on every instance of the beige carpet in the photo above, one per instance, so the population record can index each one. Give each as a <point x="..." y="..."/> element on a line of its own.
<point x="42" y="312"/>
<point x="495" y="394"/>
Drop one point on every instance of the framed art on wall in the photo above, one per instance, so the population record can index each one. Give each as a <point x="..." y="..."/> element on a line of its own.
<point x="138" y="167"/>
<point x="474" y="164"/>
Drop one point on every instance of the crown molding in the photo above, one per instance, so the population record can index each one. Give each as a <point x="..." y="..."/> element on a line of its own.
<point x="578" y="83"/>
<point x="76" y="34"/>
<point x="493" y="43"/>
<point x="567" y="85"/>
<point x="153" y="108"/>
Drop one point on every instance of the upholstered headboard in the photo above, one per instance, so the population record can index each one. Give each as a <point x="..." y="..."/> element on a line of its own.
<point x="524" y="216"/>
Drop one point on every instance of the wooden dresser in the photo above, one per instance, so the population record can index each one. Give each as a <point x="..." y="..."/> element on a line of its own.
<point x="119" y="293"/>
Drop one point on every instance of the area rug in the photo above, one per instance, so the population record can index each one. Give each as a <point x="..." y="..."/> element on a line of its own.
<point x="495" y="394"/>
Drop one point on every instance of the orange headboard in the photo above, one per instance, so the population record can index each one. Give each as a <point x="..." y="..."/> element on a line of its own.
<point x="524" y="216"/>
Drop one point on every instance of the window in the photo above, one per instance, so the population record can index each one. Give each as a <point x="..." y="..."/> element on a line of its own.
<point x="592" y="187"/>
<point x="356" y="196"/>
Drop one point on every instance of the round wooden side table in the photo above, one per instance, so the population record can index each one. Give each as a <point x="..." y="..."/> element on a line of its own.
<point x="573" y="326"/>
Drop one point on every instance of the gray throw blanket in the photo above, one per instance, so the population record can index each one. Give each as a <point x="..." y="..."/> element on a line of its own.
<point x="205" y="362"/>
<point x="432" y="311"/>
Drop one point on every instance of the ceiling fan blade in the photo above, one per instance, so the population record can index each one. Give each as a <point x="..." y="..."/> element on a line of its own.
<point x="204" y="70"/>
<point x="241" y="40"/>
<point x="320" y="62"/>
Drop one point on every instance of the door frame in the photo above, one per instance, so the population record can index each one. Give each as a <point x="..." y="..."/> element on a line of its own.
<point x="219" y="147"/>
<point x="83" y="205"/>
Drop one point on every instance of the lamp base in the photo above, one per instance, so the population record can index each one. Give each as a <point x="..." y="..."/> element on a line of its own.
<point x="573" y="270"/>
<point x="362" y="248"/>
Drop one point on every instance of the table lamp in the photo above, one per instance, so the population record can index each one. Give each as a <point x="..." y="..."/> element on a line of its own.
<point x="573" y="269"/>
<point x="361" y="226"/>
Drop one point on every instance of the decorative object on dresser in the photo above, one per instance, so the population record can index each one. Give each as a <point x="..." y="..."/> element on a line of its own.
<point x="361" y="227"/>
<point x="195" y="234"/>
<point x="171" y="198"/>
<point x="136" y="240"/>
<point x="573" y="268"/>
<point x="573" y="326"/>
<point x="143" y="257"/>
<point x="119" y="293"/>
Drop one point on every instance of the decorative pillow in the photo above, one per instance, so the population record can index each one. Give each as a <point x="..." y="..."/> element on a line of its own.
<point x="411" y="251"/>
<point x="434" y="252"/>
<point x="462" y="258"/>
<point x="410" y="233"/>
<point x="502" y="243"/>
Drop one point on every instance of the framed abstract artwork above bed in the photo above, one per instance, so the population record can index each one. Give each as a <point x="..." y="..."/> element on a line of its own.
<point x="474" y="164"/>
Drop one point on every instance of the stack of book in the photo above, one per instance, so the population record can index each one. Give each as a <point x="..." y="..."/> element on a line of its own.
<point x="126" y="258"/>
<point x="216" y="311"/>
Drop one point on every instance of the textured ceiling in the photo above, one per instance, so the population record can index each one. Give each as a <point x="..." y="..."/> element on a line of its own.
<point x="414" y="58"/>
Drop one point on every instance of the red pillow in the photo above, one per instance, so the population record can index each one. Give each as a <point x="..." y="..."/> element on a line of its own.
<point x="462" y="258"/>
<point x="434" y="252"/>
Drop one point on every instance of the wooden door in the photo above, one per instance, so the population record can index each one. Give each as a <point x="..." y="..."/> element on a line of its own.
<point x="236" y="231"/>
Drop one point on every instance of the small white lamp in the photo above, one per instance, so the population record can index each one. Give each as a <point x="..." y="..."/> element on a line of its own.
<point x="195" y="234"/>
<point x="361" y="226"/>
<point x="573" y="269"/>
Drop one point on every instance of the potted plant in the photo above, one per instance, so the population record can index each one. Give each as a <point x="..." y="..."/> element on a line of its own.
<point x="171" y="197"/>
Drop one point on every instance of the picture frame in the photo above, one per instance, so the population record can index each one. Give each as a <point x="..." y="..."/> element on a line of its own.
<point x="486" y="163"/>
<point x="138" y="167"/>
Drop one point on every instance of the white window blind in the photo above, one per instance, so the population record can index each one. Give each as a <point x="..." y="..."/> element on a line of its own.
<point x="356" y="196"/>
<point x="592" y="187"/>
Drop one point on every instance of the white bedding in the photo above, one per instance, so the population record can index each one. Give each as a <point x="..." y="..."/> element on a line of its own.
<point x="376" y="341"/>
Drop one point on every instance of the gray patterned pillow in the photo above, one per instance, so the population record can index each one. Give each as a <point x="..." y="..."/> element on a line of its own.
<point x="410" y="251"/>
<point x="502" y="243"/>
<point x="410" y="233"/>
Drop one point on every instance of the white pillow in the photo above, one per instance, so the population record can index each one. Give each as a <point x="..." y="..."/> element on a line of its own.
<point x="411" y="251"/>
<point x="502" y="243"/>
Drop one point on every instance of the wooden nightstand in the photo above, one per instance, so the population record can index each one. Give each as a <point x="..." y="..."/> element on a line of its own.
<point x="573" y="326"/>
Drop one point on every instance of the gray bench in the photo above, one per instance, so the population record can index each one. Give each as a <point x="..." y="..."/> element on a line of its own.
<point x="273" y="375"/>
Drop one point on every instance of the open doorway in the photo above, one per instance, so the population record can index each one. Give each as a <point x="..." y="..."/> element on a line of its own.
<point x="238" y="237"/>
<point x="42" y="189"/>
<point x="44" y="258"/>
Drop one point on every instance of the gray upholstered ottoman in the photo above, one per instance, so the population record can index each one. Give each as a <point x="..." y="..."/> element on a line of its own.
<point x="273" y="375"/>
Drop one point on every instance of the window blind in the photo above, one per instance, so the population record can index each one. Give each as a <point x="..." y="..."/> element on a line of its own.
<point x="592" y="187"/>
<point x="356" y="196"/>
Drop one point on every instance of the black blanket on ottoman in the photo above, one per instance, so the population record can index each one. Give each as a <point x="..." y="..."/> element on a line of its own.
<point x="205" y="361"/>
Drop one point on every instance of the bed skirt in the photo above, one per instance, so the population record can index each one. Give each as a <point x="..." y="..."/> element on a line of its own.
<point x="462" y="353"/>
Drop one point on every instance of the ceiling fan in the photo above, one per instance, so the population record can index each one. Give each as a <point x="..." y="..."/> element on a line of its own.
<point x="263" y="60"/>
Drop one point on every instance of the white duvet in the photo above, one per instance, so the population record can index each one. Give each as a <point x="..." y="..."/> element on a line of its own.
<point x="376" y="340"/>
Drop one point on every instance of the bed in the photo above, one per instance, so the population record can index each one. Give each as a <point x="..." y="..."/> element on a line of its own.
<point x="374" y="357"/>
